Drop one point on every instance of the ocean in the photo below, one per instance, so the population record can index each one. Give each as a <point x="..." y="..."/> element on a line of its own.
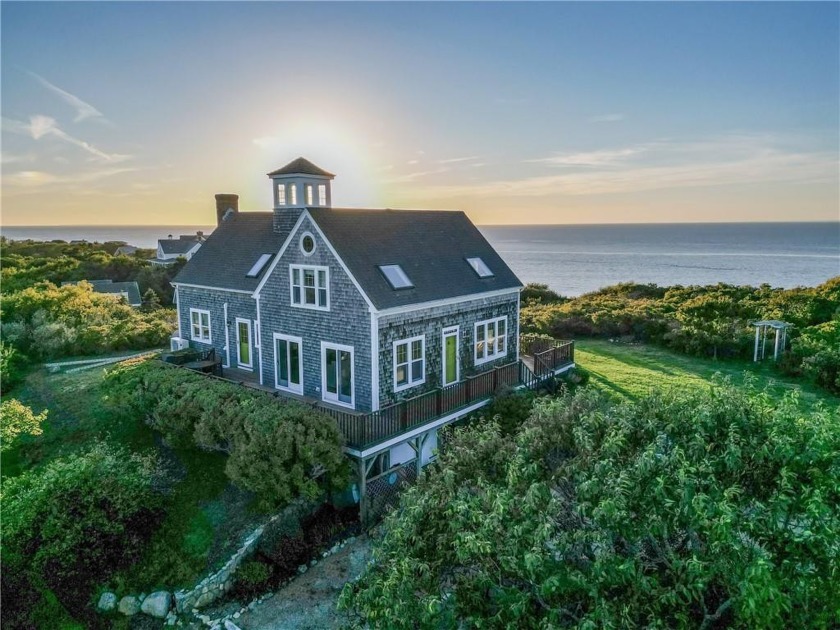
<point x="576" y="259"/>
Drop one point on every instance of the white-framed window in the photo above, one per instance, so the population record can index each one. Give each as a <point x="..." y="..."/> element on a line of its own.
<point x="490" y="339"/>
<point x="310" y="287"/>
<point x="322" y="194"/>
<point x="200" y="325"/>
<point x="309" y="194"/>
<point x="396" y="277"/>
<point x="409" y="362"/>
<point x="337" y="383"/>
<point x="281" y="194"/>
<point x="307" y="243"/>
<point x="288" y="363"/>
<point x="293" y="194"/>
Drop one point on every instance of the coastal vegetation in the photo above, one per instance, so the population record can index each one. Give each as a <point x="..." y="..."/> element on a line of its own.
<point x="279" y="450"/>
<point x="701" y="508"/>
<point x="704" y="321"/>
<point x="42" y="320"/>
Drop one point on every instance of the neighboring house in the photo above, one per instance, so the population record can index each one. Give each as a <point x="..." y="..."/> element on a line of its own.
<point x="395" y="322"/>
<point x="125" y="250"/>
<point x="171" y="249"/>
<point x="128" y="290"/>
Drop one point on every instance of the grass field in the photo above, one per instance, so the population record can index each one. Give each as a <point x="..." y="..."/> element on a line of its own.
<point x="630" y="371"/>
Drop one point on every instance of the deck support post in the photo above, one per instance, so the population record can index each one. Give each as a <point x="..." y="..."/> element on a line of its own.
<point x="363" y="503"/>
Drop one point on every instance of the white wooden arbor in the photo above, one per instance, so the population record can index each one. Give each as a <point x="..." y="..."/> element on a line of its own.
<point x="761" y="337"/>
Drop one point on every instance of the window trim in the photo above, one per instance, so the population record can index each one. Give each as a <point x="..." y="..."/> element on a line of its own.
<point x="394" y="365"/>
<point x="201" y="339"/>
<point x="314" y="243"/>
<point x="281" y="199"/>
<point x="302" y="304"/>
<point x="322" y="195"/>
<point x="245" y="366"/>
<point x="448" y="332"/>
<point x="308" y="195"/>
<point x="496" y="353"/>
<point x="328" y="345"/>
<point x="296" y="389"/>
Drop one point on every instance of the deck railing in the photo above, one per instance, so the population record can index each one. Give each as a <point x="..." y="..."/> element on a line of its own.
<point x="364" y="429"/>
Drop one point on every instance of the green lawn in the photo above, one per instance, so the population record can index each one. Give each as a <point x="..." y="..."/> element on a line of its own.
<point x="202" y="506"/>
<point x="631" y="371"/>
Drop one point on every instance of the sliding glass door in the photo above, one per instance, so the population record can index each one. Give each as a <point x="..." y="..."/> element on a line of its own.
<point x="337" y="373"/>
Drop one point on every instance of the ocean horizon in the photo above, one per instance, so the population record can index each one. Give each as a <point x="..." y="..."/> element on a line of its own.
<point x="576" y="259"/>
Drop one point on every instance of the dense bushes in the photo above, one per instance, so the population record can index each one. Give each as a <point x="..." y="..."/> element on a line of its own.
<point x="709" y="321"/>
<point x="69" y="525"/>
<point x="706" y="509"/>
<point x="47" y="322"/>
<point x="278" y="449"/>
<point x="26" y="263"/>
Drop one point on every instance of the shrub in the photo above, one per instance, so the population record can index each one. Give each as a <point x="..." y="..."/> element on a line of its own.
<point x="12" y="367"/>
<point x="16" y="419"/>
<point x="73" y="523"/>
<point x="716" y="508"/>
<point x="276" y="448"/>
<point x="252" y="578"/>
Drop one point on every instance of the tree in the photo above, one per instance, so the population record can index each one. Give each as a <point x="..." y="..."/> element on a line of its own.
<point x="16" y="419"/>
<point x="151" y="301"/>
<point x="705" y="509"/>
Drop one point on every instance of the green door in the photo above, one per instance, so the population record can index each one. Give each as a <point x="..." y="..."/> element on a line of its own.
<point x="450" y="357"/>
<point x="243" y="331"/>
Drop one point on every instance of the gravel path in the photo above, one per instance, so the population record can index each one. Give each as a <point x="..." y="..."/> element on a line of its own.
<point x="308" y="603"/>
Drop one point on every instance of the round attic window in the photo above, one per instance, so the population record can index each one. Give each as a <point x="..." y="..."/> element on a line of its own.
<point x="307" y="243"/>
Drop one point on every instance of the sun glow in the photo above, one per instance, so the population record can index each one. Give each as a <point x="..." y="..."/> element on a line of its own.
<point x="332" y="147"/>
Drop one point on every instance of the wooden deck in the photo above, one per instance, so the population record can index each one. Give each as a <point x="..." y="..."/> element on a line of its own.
<point x="540" y="362"/>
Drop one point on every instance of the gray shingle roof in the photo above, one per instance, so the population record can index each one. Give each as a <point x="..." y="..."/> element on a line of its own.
<point x="109" y="286"/>
<point x="176" y="246"/>
<point x="301" y="166"/>
<point x="430" y="246"/>
<point x="231" y="250"/>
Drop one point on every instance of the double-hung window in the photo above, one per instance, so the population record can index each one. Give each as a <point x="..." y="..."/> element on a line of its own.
<point x="409" y="362"/>
<point x="310" y="287"/>
<point x="200" y="325"/>
<point x="490" y="339"/>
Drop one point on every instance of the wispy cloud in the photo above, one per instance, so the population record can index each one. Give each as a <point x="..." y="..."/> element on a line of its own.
<point x="410" y="177"/>
<point x="43" y="126"/>
<point x="727" y="160"/>
<point x="455" y="160"/>
<point x="83" y="109"/>
<point x="601" y="158"/>
<point x="602" y="118"/>
<point x="34" y="180"/>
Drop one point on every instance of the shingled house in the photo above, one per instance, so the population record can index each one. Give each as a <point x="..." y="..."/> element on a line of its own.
<point x="171" y="249"/>
<point x="395" y="322"/>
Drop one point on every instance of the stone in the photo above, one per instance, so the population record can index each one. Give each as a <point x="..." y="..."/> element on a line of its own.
<point x="302" y="569"/>
<point x="237" y="615"/>
<point x="229" y="625"/>
<point x="335" y="549"/>
<point x="313" y="563"/>
<point x="129" y="605"/>
<point x="107" y="602"/>
<point x="157" y="604"/>
<point x="268" y="596"/>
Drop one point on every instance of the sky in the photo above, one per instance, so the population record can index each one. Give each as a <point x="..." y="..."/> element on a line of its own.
<point x="517" y="113"/>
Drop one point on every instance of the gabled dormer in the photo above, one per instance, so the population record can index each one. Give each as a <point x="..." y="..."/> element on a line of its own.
<point x="298" y="185"/>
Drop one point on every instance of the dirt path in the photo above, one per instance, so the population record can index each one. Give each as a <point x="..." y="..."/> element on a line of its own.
<point x="308" y="603"/>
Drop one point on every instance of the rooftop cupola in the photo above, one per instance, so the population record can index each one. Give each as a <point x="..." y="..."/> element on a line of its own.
<point x="298" y="185"/>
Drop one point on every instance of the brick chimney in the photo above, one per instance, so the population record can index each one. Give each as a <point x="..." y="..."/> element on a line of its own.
<point x="226" y="203"/>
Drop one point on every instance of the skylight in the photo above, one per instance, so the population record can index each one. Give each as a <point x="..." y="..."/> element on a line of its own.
<point x="258" y="266"/>
<point x="396" y="277"/>
<point x="480" y="267"/>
